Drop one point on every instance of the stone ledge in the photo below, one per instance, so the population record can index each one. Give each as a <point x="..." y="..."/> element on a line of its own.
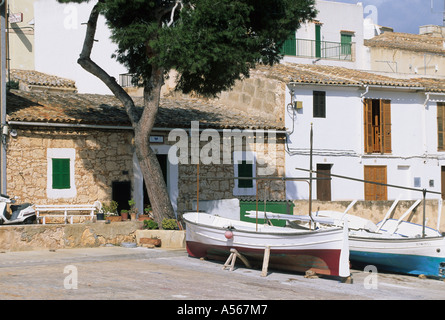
<point x="66" y="236"/>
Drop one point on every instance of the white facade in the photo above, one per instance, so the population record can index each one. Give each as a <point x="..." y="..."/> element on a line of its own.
<point x="339" y="141"/>
<point x="59" y="35"/>
<point x="335" y="18"/>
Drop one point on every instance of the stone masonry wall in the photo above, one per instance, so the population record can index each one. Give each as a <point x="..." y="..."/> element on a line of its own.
<point x="216" y="180"/>
<point x="101" y="157"/>
<point x="257" y="94"/>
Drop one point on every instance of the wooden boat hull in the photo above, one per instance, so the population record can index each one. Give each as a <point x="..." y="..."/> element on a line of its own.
<point x="413" y="256"/>
<point x="324" y="252"/>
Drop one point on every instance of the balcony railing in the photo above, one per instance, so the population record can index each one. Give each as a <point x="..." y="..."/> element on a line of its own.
<point x="318" y="49"/>
<point x="127" y="80"/>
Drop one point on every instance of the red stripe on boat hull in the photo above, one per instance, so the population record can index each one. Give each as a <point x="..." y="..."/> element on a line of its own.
<point x="323" y="262"/>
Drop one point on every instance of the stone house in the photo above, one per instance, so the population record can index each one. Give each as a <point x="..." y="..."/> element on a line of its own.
<point x="70" y="148"/>
<point x="420" y="54"/>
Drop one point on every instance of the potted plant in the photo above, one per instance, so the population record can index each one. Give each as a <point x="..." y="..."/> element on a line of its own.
<point x="133" y="209"/>
<point x="110" y="211"/>
<point x="100" y="215"/>
<point x="150" y="225"/>
<point x="169" y="224"/>
<point x="146" y="215"/>
<point x="124" y="215"/>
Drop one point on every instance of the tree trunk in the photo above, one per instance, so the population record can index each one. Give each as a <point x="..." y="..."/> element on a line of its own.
<point x="143" y="125"/>
<point x="151" y="170"/>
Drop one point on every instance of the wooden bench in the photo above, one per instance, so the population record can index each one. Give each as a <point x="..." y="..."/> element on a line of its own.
<point x="68" y="211"/>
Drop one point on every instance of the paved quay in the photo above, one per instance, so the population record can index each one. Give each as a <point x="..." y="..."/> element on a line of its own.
<point x="109" y="273"/>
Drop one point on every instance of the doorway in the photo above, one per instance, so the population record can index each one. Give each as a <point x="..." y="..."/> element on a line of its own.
<point x="121" y="193"/>
<point x="324" y="184"/>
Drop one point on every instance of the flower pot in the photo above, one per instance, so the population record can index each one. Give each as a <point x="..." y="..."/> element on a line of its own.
<point x="100" y="216"/>
<point x="124" y="216"/>
<point x="114" y="218"/>
<point x="143" y="217"/>
<point x="133" y="216"/>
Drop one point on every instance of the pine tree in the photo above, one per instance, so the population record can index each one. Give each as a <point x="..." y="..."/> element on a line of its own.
<point x="210" y="43"/>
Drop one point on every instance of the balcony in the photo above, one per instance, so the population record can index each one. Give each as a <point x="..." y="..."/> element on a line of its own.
<point x="126" y="80"/>
<point x="318" y="49"/>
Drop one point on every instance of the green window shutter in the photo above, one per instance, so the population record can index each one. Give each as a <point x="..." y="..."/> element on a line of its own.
<point x="346" y="41"/>
<point x="318" y="41"/>
<point x="289" y="47"/>
<point x="61" y="174"/>
<point x="245" y="171"/>
<point x="319" y="104"/>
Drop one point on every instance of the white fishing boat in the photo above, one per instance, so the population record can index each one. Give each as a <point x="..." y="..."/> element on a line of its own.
<point x="393" y="245"/>
<point x="324" y="251"/>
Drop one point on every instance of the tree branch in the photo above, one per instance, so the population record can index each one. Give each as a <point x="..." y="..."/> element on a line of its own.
<point x="172" y="16"/>
<point x="89" y="65"/>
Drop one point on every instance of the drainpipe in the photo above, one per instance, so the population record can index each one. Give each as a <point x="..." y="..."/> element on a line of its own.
<point x="3" y="96"/>
<point x="424" y="138"/>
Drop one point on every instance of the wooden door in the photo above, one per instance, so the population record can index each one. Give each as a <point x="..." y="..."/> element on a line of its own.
<point x="324" y="186"/>
<point x="374" y="191"/>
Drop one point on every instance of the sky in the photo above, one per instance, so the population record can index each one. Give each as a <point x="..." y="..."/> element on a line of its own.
<point x="403" y="15"/>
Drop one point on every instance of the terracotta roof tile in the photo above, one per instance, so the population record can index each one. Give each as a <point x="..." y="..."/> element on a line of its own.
<point x="330" y="75"/>
<point x="407" y="41"/>
<point x="35" y="78"/>
<point x="74" y="108"/>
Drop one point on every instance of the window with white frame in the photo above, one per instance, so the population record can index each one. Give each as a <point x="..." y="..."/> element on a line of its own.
<point x="244" y="167"/>
<point x="60" y="173"/>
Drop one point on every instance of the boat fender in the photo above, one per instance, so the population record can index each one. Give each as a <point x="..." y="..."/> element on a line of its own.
<point x="228" y="235"/>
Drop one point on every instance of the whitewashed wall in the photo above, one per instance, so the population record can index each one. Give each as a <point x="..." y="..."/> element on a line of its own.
<point x="336" y="17"/>
<point x="339" y="140"/>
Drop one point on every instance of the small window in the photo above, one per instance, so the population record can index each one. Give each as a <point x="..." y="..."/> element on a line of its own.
<point x="61" y="174"/>
<point x="319" y="104"/>
<point x="245" y="171"/>
<point x="244" y="167"/>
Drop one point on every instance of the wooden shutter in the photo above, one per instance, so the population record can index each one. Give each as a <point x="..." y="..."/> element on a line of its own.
<point x="346" y="40"/>
<point x="289" y="47"/>
<point x="245" y="171"/>
<point x="373" y="191"/>
<point x="440" y="125"/>
<point x="385" y="114"/>
<point x="61" y="173"/>
<point x="369" y="135"/>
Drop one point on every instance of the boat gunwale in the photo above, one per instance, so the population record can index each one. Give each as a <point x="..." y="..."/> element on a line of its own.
<point x="404" y="239"/>
<point x="309" y="232"/>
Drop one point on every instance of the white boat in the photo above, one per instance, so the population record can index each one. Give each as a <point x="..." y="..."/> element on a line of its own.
<point x="394" y="245"/>
<point x="324" y="251"/>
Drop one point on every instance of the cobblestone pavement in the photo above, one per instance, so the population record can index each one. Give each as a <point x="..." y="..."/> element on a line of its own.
<point x="110" y="273"/>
